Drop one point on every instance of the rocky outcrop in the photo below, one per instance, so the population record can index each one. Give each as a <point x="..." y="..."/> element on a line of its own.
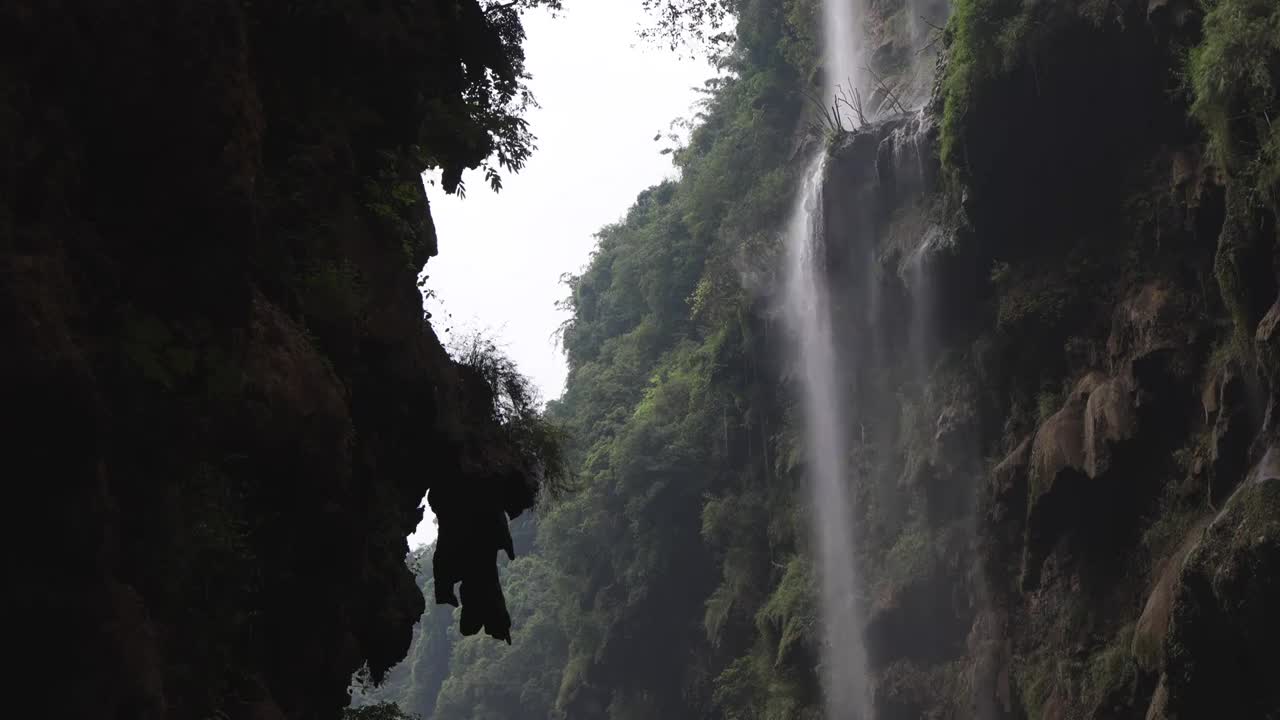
<point x="1220" y="642"/>
<point x="1153" y="623"/>
<point x="1110" y="418"/>
<point x="224" y="399"/>
<point x="1104" y="285"/>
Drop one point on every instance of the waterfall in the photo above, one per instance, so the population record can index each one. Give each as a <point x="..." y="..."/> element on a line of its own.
<point x="824" y="364"/>
<point x="808" y="315"/>
<point x="841" y="22"/>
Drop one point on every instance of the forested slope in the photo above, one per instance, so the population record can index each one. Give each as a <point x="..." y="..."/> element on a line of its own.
<point x="686" y="487"/>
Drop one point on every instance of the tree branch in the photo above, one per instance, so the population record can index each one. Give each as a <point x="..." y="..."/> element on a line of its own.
<point x="501" y="6"/>
<point x="888" y="91"/>
<point x="935" y="27"/>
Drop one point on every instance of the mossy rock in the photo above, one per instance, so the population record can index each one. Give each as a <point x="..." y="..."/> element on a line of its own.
<point x="1234" y="74"/>
<point x="1109" y="676"/>
<point x="1220" y="647"/>
<point x="1148" y="636"/>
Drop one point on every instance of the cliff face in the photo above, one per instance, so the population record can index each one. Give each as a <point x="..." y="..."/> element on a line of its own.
<point x="1063" y="355"/>
<point x="224" y="403"/>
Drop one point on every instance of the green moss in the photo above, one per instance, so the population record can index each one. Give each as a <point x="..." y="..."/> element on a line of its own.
<point x="1030" y="299"/>
<point x="910" y="556"/>
<point x="987" y="40"/>
<point x="1176" y="513"/>
<point x="1011" y="37"/>
<point x="1110" y="669"/>
<point x="1233" y="74"/>
<point x="984" y="38"/>
<point x="1048" y="402"/>
<point x="1220" y="358"/>
<point x="1227" y="272"/>
<point x="1253" y="510"/>
<point x="1222" y="614"/>
<point x="1036" y="678"/>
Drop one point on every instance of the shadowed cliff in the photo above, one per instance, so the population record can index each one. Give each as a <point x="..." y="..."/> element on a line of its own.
<point x="219" y="384"/>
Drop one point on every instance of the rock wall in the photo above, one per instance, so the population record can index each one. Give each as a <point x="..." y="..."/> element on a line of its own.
<point x="224" y="404"/>
<point x="1061" y="351"/>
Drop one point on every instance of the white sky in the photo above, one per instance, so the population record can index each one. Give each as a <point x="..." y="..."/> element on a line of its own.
<point x="604" y="94"/>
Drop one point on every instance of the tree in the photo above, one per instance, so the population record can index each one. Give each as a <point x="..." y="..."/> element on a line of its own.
<point x="679" y="22"/>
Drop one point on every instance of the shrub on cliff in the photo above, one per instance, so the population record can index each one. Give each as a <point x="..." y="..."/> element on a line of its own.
<point x="1235" y="79"/>
<point x="537" y="444"/>
<point x="983" y="37"/>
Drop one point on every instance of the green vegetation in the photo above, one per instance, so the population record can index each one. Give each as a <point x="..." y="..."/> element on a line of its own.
<point x="393" y="196"/>
<point x="911" y="555"/>
<point x="1234" y="74"/>
<point x="1036" y="680"/>
<point x="1173" y="517"/>
<point x="789" y="617"/>
<point x="1110" y="669"/>
<point x="1033" y="298"/>
<point x="1236" y="261"/>
<point x="1049" y="402"/>
<point x="529" y="440"/>
<point x="983" y="37"/>
<point x="676" y="511"/>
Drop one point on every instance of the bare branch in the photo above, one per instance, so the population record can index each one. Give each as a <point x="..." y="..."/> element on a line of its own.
<point x="854" y="103"/>
<point x="501" y="6"/>
<point x="888" y="91"/>
<point x="929" y="44"/>
<point x="935" y="27"/>
<point x="857" y="100"/>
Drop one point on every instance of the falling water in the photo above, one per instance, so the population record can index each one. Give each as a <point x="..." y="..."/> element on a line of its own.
<point x="841" y="22"/>
<point x="808" y="313"/>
